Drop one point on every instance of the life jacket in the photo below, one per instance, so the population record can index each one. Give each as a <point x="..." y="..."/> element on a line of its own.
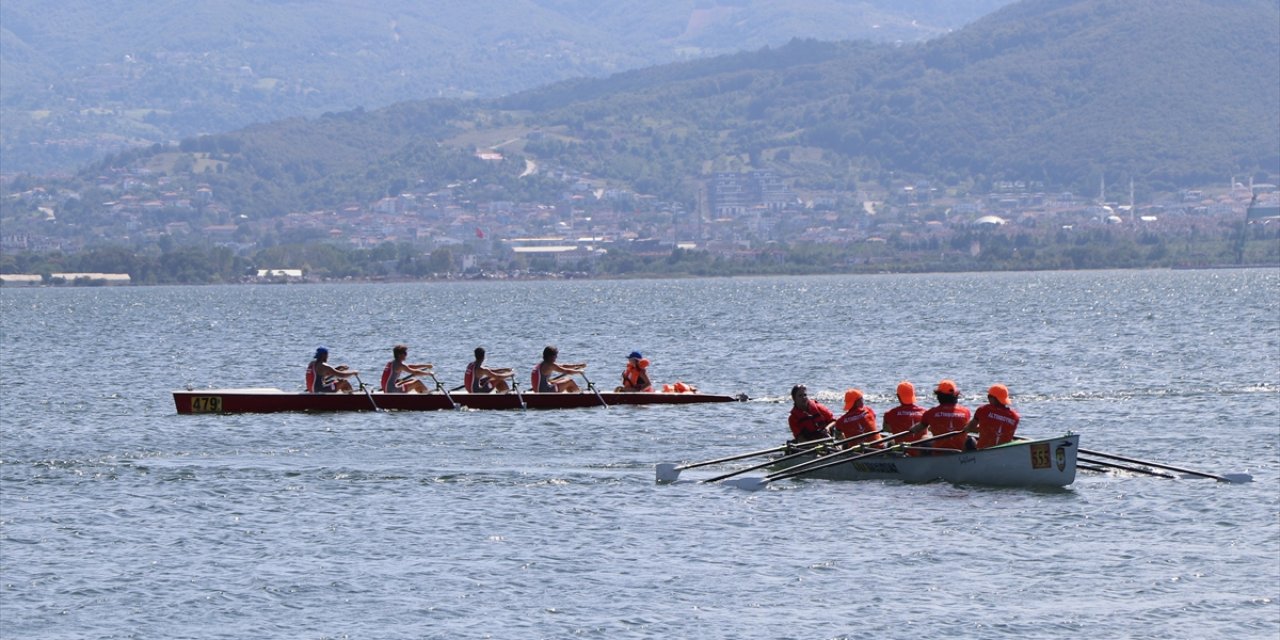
<point x="809" y="423"/>
<point x="996" y="425"/>
<point x="631" y="379"/>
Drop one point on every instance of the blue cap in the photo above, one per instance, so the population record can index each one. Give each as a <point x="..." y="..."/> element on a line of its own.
<point x="322" y="351"/>
<point x="635" y="354"/>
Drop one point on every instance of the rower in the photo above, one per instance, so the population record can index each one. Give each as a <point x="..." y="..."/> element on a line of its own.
<point x="858" y="418"/>
<point x="324" y="378"/>
<point x="904" y="416"/>
<point x="480" y="379"/>
<point x="947" y="417"/>
<point x="542" y="379"/>
<point x="994" y="422"/>
<point x="399" y="376"/>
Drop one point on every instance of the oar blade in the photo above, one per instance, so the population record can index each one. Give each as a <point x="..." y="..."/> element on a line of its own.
<point x="666" y="473"/>
<point x="747" y="483"/>
<point x="1238" y="478"/>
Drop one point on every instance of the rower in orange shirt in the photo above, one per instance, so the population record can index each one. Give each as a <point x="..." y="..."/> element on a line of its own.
<point x="904" y="416"/>
<point x="857" y="419"/>
<point x="995" y="422"/>
<point x="947" y="417"/>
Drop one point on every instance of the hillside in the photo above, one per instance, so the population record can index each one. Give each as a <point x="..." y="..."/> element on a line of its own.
<point x="1061" y="93"/>
<point x="1168" y="93"/>
<point x="83" y="78"/>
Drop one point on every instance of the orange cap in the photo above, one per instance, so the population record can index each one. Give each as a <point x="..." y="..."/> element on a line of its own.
<point x="906" y="392"/>
<point x="948" y="387"/>
<point x="851" y="397"/>
<point x="1000" y="393"/>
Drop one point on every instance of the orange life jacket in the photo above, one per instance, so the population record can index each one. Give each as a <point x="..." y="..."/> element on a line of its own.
<point x="631" y="379"/>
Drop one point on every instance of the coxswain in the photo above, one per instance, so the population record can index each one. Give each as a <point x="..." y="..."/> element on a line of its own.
<point x="635" y="377"/>
<point x="994" y="422"/>
<point x="808" y="420"/>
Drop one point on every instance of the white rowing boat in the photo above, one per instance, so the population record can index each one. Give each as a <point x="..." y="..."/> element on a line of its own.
<point x="1049" y="462"/>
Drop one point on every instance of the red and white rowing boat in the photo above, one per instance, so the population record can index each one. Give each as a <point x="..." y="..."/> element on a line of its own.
<point x="268" y="400"/>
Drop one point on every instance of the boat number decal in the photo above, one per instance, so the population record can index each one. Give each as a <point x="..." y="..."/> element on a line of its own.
<point x="206" y="404"/>
<point x="1040" y="456"/>
<point x="1061" y="456"/>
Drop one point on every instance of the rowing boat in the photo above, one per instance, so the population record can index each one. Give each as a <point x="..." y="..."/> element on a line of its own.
<point x="1049" y="462"/>
<point x="266" y="400"/>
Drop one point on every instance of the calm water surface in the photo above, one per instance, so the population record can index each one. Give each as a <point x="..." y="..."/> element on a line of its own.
<point x="121" y="519"/>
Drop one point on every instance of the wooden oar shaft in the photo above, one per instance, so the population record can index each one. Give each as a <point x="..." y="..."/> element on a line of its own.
<point x="694" y="465"/>
<point x="1156" y="465"/>
<point x="1121" y="467"/>
<point x="819" y="443"/>
<point x="835" y="459"/>
<point x="840" y="456"/>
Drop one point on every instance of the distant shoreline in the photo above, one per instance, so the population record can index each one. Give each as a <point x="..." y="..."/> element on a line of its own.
<point x="25" y="283"/>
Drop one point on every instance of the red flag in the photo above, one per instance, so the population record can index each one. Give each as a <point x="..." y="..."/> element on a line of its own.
<point x="479" y="233"/>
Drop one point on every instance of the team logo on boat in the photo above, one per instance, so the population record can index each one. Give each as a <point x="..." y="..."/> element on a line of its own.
<point x="876" y="467"/>
<point x="1040" y="458"/>
<point x="1061" y="457"/>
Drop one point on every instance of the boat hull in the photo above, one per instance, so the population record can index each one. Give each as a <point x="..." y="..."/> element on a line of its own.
<point x="275" y="400"/>
<point x="1049" y="462"/>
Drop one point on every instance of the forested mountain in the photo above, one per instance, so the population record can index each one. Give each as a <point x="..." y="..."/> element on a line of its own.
<point x="80" y="78"/>
<point x="1168" y="93"/>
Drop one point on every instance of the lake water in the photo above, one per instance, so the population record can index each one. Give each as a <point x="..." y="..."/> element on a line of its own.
<point x="121" y="519"/>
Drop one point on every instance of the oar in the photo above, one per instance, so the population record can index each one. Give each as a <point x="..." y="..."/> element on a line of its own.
<point x="591" y="385"/>
<point x="756" y="483"/>
<point x="1230" y="477"/>
<point x="515" y="384"/>
<point x="447" y="395"/>
<point x="667" y="472"/>
<point x="1100" y="464"/>
<point x="366" y="393"/>
<point x="798" y="454"/>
